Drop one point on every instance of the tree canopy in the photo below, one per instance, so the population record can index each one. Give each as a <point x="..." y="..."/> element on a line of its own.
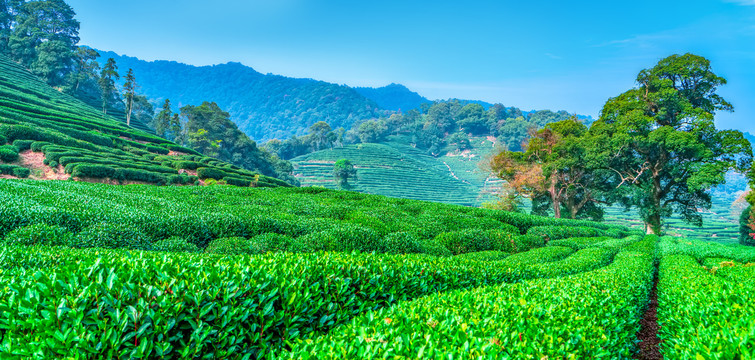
<point x="660" y="141"/>
<point x="343" y="170"/>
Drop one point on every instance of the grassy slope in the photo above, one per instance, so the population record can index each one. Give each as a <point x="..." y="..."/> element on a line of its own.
<point x="77" y="134"/>
<point x="391" y="170"/>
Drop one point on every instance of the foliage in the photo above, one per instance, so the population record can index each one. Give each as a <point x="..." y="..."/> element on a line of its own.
<point x="270" y="242"/>
<point x="661" y="142"/>
<point x="717" y="308"/>
<point x="554" y="172"/>
<point x="13" y="170"/>
<point x="174" y="244"/>
<point x="533" y="319"/>
<point x="111" y="236"/>
<point x="343" y="169"/>
<point x="549" y="233"/>
<point x="230" y="246"/>
<point x="747" y="227"/>
<point x="88" y="143"/>
<point x="39" y="234"/>
<point x="268" y="300"/>
<point x="8" y="153"/>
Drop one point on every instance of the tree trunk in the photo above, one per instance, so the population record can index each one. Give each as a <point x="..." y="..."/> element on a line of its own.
<point x="554" y="196"/>
<point x="653" y="225"/>
<point x="653" y="222"/>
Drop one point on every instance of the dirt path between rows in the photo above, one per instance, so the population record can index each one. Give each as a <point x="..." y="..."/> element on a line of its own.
<point x="650" y="344"/>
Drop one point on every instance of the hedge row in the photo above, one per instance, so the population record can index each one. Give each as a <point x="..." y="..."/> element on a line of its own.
<point x="201" y="215"/>
<point x="140" y="304"/>
<point x="13" y="170"/>
<point x="715" y="318"/>
<point x="566" y="317"/>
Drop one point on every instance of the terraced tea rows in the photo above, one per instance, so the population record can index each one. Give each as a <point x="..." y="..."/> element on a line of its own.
<point x="229" y="272"/>
<point x="55" y="136"/>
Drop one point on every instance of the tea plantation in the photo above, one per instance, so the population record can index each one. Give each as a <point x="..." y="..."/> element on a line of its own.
<point x="99" y="271"/>
<point x="46" y="134"/>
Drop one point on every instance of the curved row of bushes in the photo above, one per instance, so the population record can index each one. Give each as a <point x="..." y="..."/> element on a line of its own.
<point x="563" y="317"/>
<point x="201" y="215"/>
<point x="154" y="304"/>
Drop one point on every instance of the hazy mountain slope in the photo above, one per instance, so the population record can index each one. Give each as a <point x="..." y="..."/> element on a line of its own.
<point x="56" y="136"/>
<point x="395" y="97"/>
<point x="263" y="106"/>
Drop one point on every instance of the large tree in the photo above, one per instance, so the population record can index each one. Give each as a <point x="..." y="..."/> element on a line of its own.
<point x="42" y="35"/>
<point x="660" y="141"/>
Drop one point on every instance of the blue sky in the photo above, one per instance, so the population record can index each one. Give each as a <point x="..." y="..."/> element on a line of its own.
<point x="570" y="55"/>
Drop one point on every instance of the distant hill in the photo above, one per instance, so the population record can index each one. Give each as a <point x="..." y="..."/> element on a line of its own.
<point x="45" y="134"/>
<point x="395" y="97"/>
<point x="263" y="106"/>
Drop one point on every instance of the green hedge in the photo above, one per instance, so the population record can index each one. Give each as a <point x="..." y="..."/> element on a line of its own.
<point x="268" y="299"/>
<point x="564" y="317"/>
<point x="111" y="236"/>
<point x="174" y="244"/>
<point x="39" y="234"/>
<point x="8" y="153"/>
<point x="13" y="170"/>
<point x="745" y="232"/>
<point x="549" y="233"/>
<point x="230" y="246"/>
<point x="23" y="145"/>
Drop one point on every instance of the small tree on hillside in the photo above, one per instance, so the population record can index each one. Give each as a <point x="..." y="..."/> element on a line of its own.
<point x="129" y="93"/>
<point x="108" y="75"/>
<point x="343" y="170"/>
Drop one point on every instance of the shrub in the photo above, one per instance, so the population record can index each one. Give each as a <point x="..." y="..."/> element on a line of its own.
<point x="269" y="242"/>
<point x="174" y="244"/>
<point x="8" y="153"/>
<point x="402" y="243"/>
<point x="23" y="145"/>
<point x="210" y="173"/>
<point x="528" y="242"/>
<point x="483" y="256"/>
<point x="112" y="236"/>
<point x="430" y="247"/>
<point x="21" y="172"/>
<point x="235" y="181"/>
<point x="343" y="238"/>
<point x="3" y="140"/>
<point x="466" y="241"/>
<point x="745" y="230"/>
<point x="93" y="171"/>
<point x="39" y="234"/>
<point x="562" y="232"/>
<point x="230" y="246"/>
<point x="14" y="170"/>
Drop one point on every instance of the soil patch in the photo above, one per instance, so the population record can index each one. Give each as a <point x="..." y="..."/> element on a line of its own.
<point x="650" y="344"/>
<point x="35" y="162"/>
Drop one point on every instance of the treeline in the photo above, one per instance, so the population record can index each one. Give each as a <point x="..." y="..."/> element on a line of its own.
<point x="264" y="106"/>
<point x="654" y="148"/>
<point x="432" y="127"/>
